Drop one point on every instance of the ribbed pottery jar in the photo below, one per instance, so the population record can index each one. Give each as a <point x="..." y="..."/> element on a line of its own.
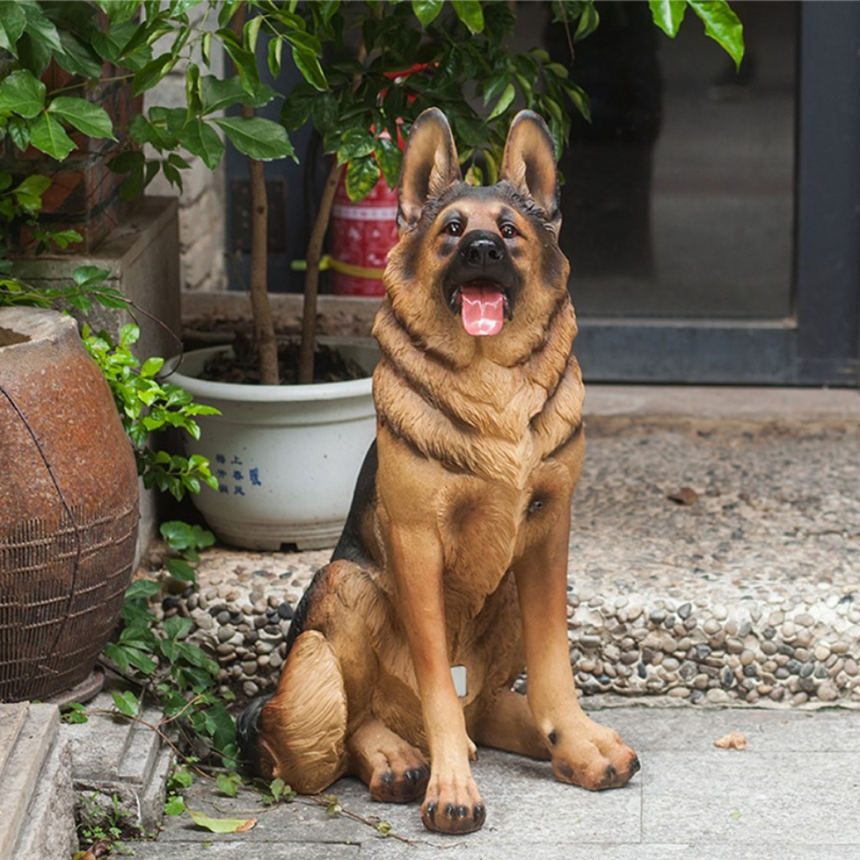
<point x="68" y="507"/>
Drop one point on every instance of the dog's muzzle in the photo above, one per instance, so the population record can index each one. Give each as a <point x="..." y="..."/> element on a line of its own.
<point x="480" y="282"/>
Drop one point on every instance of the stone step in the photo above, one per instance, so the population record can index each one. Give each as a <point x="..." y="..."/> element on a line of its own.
<point x="37" y="802"/>
<point x="113" y="756"/>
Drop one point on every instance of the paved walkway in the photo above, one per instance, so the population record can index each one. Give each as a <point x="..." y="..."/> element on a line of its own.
<point x="792" y="794"/>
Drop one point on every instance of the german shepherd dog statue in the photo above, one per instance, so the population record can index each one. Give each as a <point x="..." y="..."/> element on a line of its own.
<point x="450" y="576"/>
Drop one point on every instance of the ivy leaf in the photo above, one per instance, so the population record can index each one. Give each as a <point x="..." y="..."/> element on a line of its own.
<point x="668" y="15"/>
<point x="48" y="136"/>
<point x="174" y="805"/>
<point x="126" y="703"/>
<point x="86" y="117"/>
<point x="721" y="25"/>
<point x="22" y="93"/>
<point x="257" y="137"/>
<point x="86" y="276"/>
<point x="426" y="11"/>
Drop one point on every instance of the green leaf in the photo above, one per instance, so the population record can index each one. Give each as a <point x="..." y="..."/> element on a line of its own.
<point x="257" y="137"/>
<point x="86" y="117"/>
<point x="119" y="11"/>
<point x="152" y="73"/>
<point x="174" y="805"/>
<point x="48" y="136"/>
<point x="180" y="569"/>
<point x="126" y="703"/>
<point x="12" y="24"/>
<point x="309" y="65"/>
<point x="142" y="588"/>
<point x="355" y="143"/>
<point x="362" y="174"/>
<point x="503" y="103"/>
<point x="86" y="276"/>
<point x="668" y="15"/>
<point x="22" y="93"/>
<point x="226" y="785"/>
<point x="426" y="11"/>
<point x="40" y="29"/>
<point x="177" y="627"/>
<point x="722" y="25"/>
<point x="216" y="94"/>
<point x="470" y="13"/>
<point x="274" y="54"/>
<point x="199" y="138"/>
<point x="588" y="21"/>
<point x="222" y="825"/>
<point x="77" y="57"/>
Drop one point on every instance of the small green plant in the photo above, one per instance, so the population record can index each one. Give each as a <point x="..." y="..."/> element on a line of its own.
<point x="100" y="821"/>
<point x="149" y="405"/>
<point x="179" y="780"/>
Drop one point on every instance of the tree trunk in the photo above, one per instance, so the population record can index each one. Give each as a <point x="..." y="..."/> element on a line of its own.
<point x="312" y="276"/>
<point x="264" y="329"/>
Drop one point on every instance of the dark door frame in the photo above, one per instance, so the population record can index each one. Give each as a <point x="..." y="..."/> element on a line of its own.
<point x="820" y="343"/>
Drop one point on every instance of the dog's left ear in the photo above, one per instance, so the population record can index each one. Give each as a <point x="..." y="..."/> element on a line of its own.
<point x="529" y="164"/>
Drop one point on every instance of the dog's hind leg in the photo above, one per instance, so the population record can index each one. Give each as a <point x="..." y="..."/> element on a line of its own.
<point x="507" y="724"/>
<point x="301" y="732"/>
<point x="394" y="770"/>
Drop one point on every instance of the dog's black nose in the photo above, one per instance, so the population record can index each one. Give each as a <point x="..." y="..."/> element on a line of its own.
<point x="482" y="249"/>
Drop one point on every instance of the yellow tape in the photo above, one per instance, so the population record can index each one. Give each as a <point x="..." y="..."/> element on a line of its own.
<point x="328" y="262"/>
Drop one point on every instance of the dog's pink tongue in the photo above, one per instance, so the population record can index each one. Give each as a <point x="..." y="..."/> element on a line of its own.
<point x="483" y="310"/>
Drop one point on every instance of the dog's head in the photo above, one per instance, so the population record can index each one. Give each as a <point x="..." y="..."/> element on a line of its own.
<point x="478" y="264"/>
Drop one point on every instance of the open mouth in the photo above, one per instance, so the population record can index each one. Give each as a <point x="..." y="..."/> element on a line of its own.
<point x="483" y="307"/>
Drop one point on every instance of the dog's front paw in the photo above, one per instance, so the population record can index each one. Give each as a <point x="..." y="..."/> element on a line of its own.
<point x="453" y="806"/>
<point x="595" y="759"/>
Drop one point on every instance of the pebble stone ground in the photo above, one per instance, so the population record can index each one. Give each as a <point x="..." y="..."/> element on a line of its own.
<point x="711" y="561"/>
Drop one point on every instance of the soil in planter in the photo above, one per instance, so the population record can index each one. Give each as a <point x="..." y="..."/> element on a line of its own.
<point x="242" y="365"/>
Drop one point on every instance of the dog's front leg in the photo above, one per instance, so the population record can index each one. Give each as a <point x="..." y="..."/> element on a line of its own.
<point x="583" y="752"/>
<point x="452" y="803"/>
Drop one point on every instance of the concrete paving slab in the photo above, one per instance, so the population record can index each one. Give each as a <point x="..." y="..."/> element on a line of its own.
<point x="792" y="794"/>
<point x="31" y="747"/>
<point x="718" y="796"/>
<point x="12" y="718"/>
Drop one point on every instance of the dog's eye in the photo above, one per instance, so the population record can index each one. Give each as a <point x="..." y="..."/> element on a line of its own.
<point x="508" y="231"/>
<point x="454" y="228"/>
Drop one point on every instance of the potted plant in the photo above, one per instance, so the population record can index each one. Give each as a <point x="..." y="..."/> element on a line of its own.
<point x="349" y="56"/>
<point x="383" y="64"/>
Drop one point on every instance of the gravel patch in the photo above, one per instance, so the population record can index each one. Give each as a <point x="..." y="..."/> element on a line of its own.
<point x="713" y="563"/>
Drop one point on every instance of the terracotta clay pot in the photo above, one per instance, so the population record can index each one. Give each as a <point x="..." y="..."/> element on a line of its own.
<point x="68" y="507"/>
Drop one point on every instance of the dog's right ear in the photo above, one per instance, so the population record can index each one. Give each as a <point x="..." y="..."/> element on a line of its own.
<point x="430" y="165"/>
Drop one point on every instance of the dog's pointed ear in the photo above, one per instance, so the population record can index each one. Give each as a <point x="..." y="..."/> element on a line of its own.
<point x="430" y="165"/>
<point x="529" y="164"/>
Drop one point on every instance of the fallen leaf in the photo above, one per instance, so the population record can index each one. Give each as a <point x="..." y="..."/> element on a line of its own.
<point x="732" y="741"/>
<point x="684" y="496"/>
<point x="222" y="825"/>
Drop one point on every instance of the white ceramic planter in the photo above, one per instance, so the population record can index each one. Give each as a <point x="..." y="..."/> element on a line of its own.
<point x="286" y="456"/>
